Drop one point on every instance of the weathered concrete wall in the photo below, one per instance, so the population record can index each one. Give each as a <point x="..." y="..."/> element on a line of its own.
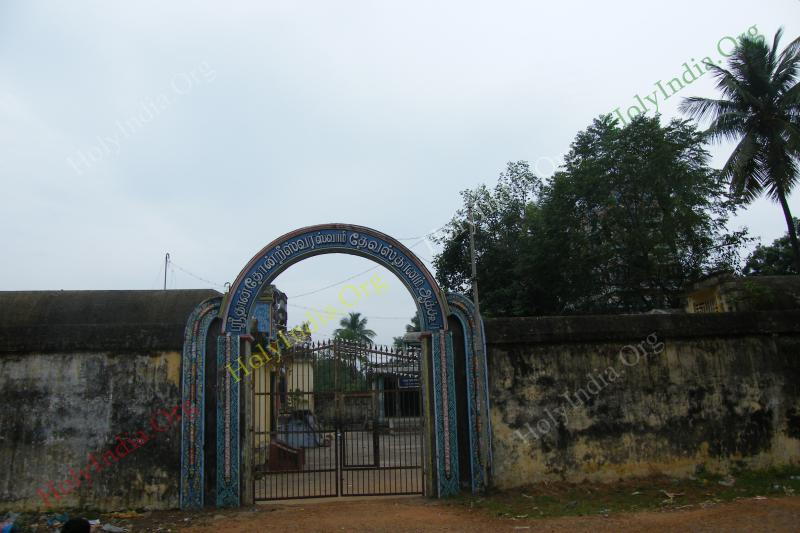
<point x="77" y="370"/>
<point x="572" y="398"/>
<point x="604" y="398"/>
<point x="59" y="408"/>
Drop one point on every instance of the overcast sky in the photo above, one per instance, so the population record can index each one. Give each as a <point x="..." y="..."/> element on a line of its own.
<point x="206" y="130"/>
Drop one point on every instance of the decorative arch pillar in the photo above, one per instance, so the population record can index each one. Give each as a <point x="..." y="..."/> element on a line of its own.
<point x="193" y="373"/>
<point x="441" y="390"/>
<point x="477" y="387"/>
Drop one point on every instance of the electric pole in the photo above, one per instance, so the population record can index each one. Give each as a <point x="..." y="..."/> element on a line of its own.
<point x="474" y="267"/>
<point x="166" y="265"/>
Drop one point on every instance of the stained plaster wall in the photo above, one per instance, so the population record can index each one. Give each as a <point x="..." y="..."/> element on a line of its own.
<point x="78" y="369"/>
<point x="58" y="408"/>
<point x="722" y="391"/>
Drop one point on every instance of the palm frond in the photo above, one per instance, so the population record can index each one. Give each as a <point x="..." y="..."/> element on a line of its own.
<point x="743" y="169"/>
<point x="790" y="98"/>
<point x="793" y="137"/>
<point x="782" y="168"/>
<point x="703" y="108"/>
<point x="728" y="127"/>
<point x="732" y="88"/>
<point x="752" y="64"/>
<point x="788" y="64"/>
<point x="775" y="43"/>
<point x="759" y="108"/>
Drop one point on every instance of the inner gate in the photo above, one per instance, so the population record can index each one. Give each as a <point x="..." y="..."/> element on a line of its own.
<point x="338" y="418"/>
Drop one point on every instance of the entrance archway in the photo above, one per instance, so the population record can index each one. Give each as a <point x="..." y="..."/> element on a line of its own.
<point x="236" y="311"/>
<point x="307" y="242"/>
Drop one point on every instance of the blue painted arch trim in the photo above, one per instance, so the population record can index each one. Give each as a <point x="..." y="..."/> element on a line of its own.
<point x="310" y="241"/>
<point x="193" y="371"/>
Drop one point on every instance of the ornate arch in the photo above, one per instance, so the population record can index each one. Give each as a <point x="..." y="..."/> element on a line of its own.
<point x="236" y="313"/>
<point x="307" y="242"/>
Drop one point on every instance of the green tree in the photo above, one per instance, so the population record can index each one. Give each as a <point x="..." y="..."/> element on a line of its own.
<point x="354" y="328"/>
<point x="344" y="365"/>
<point x="413" y="326"/>
<point x="760" y="107"/>
<point x="344" y="373"/>
<point x="633" y="217"/>
<point x="777" y="259"/>
<point x="498" y="216"/>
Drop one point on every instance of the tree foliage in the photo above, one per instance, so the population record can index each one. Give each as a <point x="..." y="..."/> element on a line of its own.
<point x="777" y="259"/>
<point x="413" y="325"/>
<point x="634" y="215"/>
<point x="345" y="370"/>
<point x="354" y="328"/>
<point x="498" y="216"/>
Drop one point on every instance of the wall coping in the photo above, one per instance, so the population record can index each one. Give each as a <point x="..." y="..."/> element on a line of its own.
<point x="92" y="321"/>
<point x="593" y="328"/>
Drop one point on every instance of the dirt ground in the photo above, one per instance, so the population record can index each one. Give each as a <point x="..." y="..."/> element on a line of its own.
<point x="419" y="514"/>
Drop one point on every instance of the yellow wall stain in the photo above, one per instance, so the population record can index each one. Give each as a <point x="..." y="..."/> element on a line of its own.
<point x="172" y="361"/>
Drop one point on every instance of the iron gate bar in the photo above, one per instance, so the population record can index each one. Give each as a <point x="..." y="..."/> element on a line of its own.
<point x="323" y="408"/>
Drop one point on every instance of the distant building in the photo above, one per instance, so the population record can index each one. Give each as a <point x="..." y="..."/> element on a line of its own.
<point x="724" y="292"/>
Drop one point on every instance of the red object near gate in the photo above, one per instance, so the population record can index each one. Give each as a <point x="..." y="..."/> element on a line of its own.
<point x="283" y="457"/>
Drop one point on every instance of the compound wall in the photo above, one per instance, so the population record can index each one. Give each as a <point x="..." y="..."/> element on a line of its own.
<point x="609" y="397"/>
<point x="90" y="388"/>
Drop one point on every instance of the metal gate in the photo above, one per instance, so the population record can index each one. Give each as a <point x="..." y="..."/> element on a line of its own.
<point x="338" y="418"/>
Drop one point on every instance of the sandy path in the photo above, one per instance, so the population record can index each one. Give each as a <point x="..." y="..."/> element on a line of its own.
<point x="418" y="514"/>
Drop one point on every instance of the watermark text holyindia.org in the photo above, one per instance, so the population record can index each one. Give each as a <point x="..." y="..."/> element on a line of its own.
<point x="111" y="144"/>
<point x="349" y="295"/>
<point x="725" y="46"/>
<point x="125" y="446"/>
<point x="630" y="356"/>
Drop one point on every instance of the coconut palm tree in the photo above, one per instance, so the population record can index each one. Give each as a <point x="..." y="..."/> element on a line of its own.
<point x="759" y="108"/>
<point x="354" y="328"/>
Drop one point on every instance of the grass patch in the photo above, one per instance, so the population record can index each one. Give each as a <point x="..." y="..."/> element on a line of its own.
<point x="544" y="500"/>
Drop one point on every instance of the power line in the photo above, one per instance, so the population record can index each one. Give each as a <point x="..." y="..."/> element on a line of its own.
<point x="419" y="239"/>
<point x="367" y="270"/>
<point x="411" y="238"/>
<point x="158" y="276"/>
<point x="334" y="284"/>
<point x="424" y="236"/>
<point x="195" y="276"/>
